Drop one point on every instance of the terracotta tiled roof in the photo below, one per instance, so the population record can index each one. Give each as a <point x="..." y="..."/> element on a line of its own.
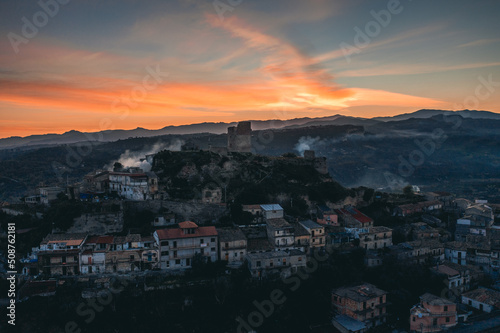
<point x="356" y="214"/>
<point x="187" y="225"/>
<point x="484" y="295"/>
<point x="447" y="270"/>
<point x="179" y="233"/>
<point x="62" y="238"/>
<point x="230" y="234"/>
<point x="434" y="300"/>
<point x="251" y="207"/>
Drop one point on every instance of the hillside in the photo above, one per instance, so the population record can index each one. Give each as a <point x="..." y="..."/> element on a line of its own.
<point x="245" y="178"/>
<point x="465" y="157"/>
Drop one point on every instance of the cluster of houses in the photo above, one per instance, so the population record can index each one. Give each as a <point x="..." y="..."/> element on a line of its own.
<point x="460" y="264"/>
<point x="272" y="246"/>
<point x="129" y="183"/>
<point x="175" y="247"/>
<point x="362" y="307"/>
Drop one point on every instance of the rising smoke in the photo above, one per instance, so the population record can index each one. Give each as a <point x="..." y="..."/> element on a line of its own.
<point x="133" y="158"/>
<point x="306" y="143"/>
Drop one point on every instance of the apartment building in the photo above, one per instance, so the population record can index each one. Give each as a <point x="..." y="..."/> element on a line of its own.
<point x="280" y="233"/>
<point x="232" y="246"/>
<point x="375" y="238"/>
<point x="432" y="314"/>
<point x="316" y="232"/>
<point x="363" y="303"/>
<point x="275" y="263"/>
<point x="178" y="246"/>
<point x="59" y="254"/>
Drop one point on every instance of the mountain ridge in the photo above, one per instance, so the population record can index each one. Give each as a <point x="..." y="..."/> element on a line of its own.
<point x="74" y="136"/>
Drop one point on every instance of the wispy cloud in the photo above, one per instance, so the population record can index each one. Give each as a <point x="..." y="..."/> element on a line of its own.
<point x="410" y="69"/>
<point x="397" y="40"/>
<point x="480" y="42"/>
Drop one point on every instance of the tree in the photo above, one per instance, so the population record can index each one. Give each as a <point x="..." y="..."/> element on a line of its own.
<point x="408" y="191"/>
<point x="117" y="166"/>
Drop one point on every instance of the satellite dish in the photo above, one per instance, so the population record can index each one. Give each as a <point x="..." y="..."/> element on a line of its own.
<point x="419" y="315"/>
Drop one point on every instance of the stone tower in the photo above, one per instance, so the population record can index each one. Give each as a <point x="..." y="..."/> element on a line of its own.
<point x="239" y="138"/>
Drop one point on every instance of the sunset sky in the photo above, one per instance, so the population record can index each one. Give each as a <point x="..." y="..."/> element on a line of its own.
<point x="89" y="67"/>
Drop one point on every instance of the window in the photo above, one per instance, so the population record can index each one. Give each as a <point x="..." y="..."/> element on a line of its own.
<point x="271" y="263"/>
<point x="447" y="319"/>
<point x="445" y="308"/>
<point x="131" y="257"/>
<point x="212" y="240"/>
<point x="381" y="298"/>
<point x="212" y="249"/>
<point x="177" y="261"/>
<point x="413" y="318"/>
<point x="175" y="243"/>
<point x="164" y="243"/>
<point x="364" y="305"/>
<point x="435" y="322"/>
<point x="227" y="245"/>
<point x="258" y="263"/>
<point x="300" y="259"/>
<point x="470" y="302"/>
<point x="175" y="254"/>
<point x="202" y="241"/>
<point x="168" y="263"/>
<point x="164" y="253"/>
<point x="235" y="254"/>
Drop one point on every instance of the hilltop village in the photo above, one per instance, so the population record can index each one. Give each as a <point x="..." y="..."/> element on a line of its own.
<point x="224" y="229"/>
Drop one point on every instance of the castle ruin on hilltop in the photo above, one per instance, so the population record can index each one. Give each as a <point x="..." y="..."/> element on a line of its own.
<point x="239" y="138"/>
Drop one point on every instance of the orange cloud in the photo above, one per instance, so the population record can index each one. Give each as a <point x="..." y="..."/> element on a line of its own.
<point x="61" y="88"/>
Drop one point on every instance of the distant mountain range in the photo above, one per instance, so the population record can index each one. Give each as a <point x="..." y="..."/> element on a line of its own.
<point x="431" y="113"/>
<point x="46" y="140"/>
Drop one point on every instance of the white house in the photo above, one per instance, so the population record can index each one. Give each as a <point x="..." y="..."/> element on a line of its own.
<point x="483" y="299"/>
<point x="273" y="211"/>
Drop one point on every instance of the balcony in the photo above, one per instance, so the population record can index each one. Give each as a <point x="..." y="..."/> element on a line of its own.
<point x="235" y="248"/>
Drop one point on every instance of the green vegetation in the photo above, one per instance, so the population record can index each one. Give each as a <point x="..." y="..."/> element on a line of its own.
<point x="248" y="179"/>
